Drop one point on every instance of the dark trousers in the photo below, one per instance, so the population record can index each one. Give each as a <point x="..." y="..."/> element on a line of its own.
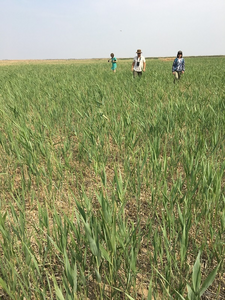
<point x="135" y="74"/>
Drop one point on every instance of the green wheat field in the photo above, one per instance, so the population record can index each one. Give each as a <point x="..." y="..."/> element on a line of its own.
<point x="112" y="187"/>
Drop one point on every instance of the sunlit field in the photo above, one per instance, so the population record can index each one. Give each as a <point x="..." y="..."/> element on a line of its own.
<point x="112" y="187"/>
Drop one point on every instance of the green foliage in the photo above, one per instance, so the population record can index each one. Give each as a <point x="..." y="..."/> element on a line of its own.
<point x="196" y="291"/>
<point x="110" y="186"/>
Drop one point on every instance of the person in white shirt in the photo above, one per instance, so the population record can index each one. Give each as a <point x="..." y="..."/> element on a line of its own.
<point x="138" y="64"/>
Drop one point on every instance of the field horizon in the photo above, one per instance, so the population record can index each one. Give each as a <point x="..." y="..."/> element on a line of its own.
<point x="88" y="60"/>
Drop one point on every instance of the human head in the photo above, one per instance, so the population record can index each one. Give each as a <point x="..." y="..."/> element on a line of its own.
<point x="112" y="55"/>
<point x="139" y="52"/>
<point x="179" y="52"/>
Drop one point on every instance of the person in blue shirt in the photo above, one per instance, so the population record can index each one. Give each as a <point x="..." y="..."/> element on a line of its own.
<point x="113" y="61"/>
<point x="178" y="67"/>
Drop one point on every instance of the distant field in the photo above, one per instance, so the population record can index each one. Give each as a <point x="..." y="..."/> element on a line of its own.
<point x="112" y="188"/>
<point x="88" y="61"/>
<point x="49" y="61"/>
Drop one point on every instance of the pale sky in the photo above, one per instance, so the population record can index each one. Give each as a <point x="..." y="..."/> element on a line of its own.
<point x="57" y="29"/>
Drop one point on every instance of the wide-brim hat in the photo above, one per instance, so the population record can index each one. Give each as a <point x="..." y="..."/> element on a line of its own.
<point x="139" y="51"/>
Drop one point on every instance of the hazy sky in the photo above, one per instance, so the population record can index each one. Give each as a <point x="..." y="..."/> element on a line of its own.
<point x="42" y="29"/>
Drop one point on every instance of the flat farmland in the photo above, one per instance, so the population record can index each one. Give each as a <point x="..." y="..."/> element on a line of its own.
<point x="112" y="187"/>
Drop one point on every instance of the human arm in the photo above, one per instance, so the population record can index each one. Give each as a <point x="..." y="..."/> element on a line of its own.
<point x="183" y="66"/>
<point x="132" y="67"/>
